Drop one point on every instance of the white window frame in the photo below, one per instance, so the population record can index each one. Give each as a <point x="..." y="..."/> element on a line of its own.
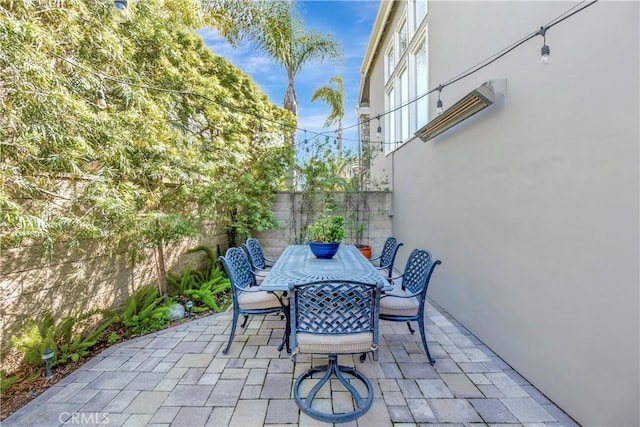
<point x="389" y="69"/>
<point x="419" y="118"/>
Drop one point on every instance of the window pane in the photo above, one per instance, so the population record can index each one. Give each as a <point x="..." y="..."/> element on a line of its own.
<point x="403" y="113"/>
<point x="390" y="62"/>
<point x="422" y="86"/>
<point x="402" y="37"/>
<point x="420" y="11"/>
<point x="389" y="129"/>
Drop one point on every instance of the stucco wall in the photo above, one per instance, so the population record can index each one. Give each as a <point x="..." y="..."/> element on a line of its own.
<point x="532" y="205"/>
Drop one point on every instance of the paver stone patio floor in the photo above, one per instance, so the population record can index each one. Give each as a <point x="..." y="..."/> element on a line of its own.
<point x="180" y="377"/>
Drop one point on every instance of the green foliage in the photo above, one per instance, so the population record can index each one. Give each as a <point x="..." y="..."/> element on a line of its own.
<point x="204" y="287"/>
<point x="327" y="229"/>
<point x="70" y="339"/>
<point x="7" y="381"/>
<point x="144" y="312"/>
<point x="148" y="169"/>
<point x="113" y="338"/>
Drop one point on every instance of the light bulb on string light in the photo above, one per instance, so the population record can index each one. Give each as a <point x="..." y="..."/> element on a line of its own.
<point x="101" y="101"/>
<point x="545" y="51"/>
<point x="379" y="130"/>
<point x="439" y="108"/>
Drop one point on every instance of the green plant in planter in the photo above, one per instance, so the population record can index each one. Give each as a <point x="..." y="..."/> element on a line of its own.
<point x="327" y="229"/>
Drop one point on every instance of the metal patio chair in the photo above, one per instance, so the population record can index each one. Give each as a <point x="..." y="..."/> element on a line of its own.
<point x="260" y="264"/>
<point x="247" y="300"/>
<point x="388" y="255"/>
<point x="407" y="301"/>
<point x="334" y="317"/>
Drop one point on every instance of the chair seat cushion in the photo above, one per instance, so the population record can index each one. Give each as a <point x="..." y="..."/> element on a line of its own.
<point x="393" y="306"/>
<point x="334" y="344"/>
<point x="259" y="300"/>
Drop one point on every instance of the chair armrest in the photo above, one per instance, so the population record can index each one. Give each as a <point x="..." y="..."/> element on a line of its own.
<point x="376" y="258"/>
<point x="262" y="272"/>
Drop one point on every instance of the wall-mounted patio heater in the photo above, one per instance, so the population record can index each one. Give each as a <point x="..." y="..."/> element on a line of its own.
<point x="477" y="100"/>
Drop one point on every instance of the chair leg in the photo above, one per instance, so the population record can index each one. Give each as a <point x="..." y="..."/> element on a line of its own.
<point x="246" y="318"/>
<point x="361" y="404"/>
<point x="410" y="328"/>
<point x="234" y="322"/>
<point x="424" y="342"/>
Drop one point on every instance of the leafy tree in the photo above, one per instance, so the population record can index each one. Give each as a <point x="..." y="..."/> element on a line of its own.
<point x="156" y="164"/>
<point x="334" y="95"/>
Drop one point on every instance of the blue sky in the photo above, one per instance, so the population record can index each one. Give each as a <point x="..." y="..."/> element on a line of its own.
<point x="349" y="23"/>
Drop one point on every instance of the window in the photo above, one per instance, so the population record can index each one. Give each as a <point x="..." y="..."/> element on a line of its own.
<point x="389" y="129"/>
<point x="390" y="62"/>
<point x="421" y="78"/>
<point x="419" y="11"/>
<point x="403" y="112"/>
<point x="402" y="37"/>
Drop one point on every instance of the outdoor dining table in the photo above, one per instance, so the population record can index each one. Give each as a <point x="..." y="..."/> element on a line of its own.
<point x="298" y="265"/>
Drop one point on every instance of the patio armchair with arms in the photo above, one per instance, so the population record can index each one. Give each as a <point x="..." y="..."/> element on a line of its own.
<point x="334" y="317"/>
<point x="388" y="255"/>
<point x="405" y="303"/>
<point x="247" y="299"/>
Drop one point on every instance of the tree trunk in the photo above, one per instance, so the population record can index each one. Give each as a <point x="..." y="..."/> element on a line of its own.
<point x="161" y="270"/>
<point x="290" y="99"/>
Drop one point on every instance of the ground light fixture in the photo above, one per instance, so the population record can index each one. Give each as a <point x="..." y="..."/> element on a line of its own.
<point x="475" y="101"/>
<point x="47" y="355"/>
<point x="189" y="306"/>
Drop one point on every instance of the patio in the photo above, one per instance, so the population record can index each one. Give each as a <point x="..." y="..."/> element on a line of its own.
<point x="179" y="376"/>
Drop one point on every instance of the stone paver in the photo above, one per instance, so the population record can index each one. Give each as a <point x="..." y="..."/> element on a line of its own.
<point x="180" y="377"/>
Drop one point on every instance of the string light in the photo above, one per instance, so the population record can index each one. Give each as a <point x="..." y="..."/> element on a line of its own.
<point x="123" y="10"/>
<point x="439" y="109"/>
<point x="545" y="52"/>
<point x="491" y="59"/>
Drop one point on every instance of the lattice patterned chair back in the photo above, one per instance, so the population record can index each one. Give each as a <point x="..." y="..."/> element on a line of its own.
<point x="406" y="302"/>
<point x="388" y="255"/>
<point x="417" y="271"/>
<point x="255" y="253"/>
<point x="334" y="317"/>
<point x="238" y="269"/>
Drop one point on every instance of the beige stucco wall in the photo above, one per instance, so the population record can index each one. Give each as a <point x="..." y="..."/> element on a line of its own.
<point x="532" y="205"/>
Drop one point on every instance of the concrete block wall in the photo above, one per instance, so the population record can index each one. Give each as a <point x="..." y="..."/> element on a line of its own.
<point x="32" y="284"/>
<point x="373" y="210"/>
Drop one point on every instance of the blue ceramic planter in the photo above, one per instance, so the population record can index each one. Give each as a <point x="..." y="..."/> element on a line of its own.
<point x="324" y="250"/>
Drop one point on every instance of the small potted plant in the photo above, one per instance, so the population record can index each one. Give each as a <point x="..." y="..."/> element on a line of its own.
<point x="362" y="247"/>
<point x="325" y="235"/>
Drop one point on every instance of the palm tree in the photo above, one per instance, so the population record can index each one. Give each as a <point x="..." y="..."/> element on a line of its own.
<point x="334" y="97"/>
<point x="277" y="29"/>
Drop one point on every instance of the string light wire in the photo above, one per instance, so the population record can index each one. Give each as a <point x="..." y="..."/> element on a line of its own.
<point x="464" y="74"/>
